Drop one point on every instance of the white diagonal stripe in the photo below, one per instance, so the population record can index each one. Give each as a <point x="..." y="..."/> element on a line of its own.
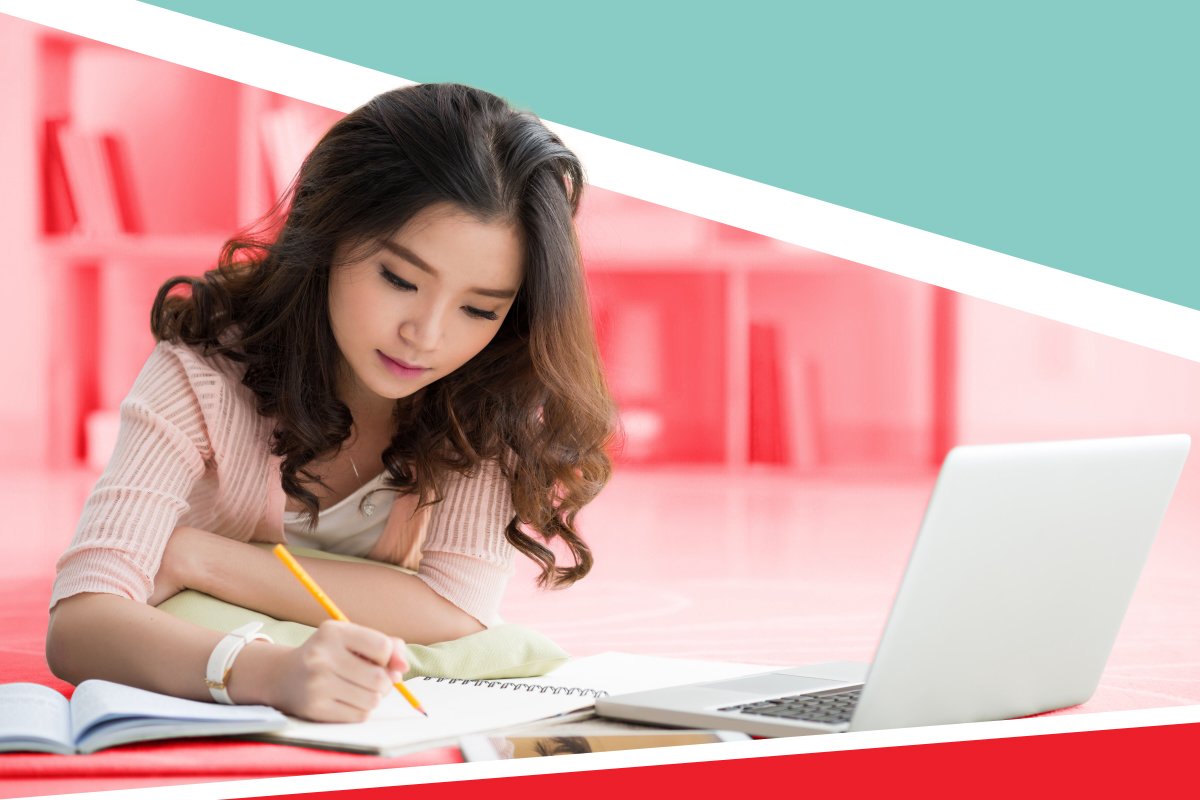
<point x="667" y="181"/>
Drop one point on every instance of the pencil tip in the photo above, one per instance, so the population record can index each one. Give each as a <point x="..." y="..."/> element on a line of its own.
<point x="423" y="711"/>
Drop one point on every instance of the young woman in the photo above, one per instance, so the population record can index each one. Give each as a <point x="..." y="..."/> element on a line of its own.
<point x="405" y="371"/>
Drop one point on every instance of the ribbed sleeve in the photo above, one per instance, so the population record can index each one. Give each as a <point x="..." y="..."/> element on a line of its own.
<point x="160" y="453"/>
<point x="192" y="450"/>
<point x="465" y="556"/>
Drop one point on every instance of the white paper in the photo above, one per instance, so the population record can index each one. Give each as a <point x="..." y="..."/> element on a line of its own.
<point x="456" y="708"/>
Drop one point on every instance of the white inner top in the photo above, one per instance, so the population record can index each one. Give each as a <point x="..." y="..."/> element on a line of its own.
<point x="350" y="526"/>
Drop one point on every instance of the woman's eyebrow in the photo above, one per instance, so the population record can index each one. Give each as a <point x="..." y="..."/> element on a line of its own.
<point x="401" y="251"/>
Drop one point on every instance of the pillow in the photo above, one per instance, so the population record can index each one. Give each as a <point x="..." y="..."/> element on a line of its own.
<point x="502" y="651"/>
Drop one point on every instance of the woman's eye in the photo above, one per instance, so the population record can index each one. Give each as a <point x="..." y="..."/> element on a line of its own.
<point x="479" y="313"/>
<point x="395" y="280"/>
<point x="400" y="283"/>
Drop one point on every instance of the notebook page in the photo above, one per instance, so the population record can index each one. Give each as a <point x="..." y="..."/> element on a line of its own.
<point x="459" y="707"/>
<point x="618" y="673"/>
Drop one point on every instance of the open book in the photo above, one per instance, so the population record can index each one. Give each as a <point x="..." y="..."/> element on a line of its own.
<point x="101" y="714"/>
<point x="458" y="707"/>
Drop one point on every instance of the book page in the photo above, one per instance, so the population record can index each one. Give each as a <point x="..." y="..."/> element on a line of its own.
<point x="457" y="707"/>
<point x="101" y="705"/>
<point x="33" y="715"/>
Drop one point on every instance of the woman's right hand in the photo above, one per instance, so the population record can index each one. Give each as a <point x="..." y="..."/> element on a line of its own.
<point x="339" y="675"/>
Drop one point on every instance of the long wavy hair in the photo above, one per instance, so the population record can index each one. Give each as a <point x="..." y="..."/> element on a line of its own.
<point x="534" y="400"/>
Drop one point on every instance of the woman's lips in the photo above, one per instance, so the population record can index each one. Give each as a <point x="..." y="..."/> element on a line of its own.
<point x="401" y="369"/>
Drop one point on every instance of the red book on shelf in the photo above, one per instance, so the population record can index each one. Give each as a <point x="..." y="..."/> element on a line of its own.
<point x="801" y="399"/>
<point x="120" y="181"/>
<point x="58" y="210"/>
<point x="87" y="174"/>
<point x="767" y="426"/>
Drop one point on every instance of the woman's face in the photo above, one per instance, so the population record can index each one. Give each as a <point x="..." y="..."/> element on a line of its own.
<point x="426" y="302"/>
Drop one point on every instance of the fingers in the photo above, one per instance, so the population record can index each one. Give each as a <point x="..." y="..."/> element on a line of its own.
<point x="357" y="671"/>
<point x="359" y="666"/>
<point x="373" y="646"/>
<point x="369" y="644"/>
<point x="362" y="692"/>
<point x="398" y="663"/>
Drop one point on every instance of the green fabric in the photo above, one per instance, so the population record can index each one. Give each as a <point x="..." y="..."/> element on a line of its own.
<point x="502" y="651"/>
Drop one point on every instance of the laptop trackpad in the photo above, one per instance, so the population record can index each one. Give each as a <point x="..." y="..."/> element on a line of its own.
<point x="774" y="683"/>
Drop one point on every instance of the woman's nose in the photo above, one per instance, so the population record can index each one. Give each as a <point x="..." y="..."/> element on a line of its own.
<point x="423" y="329"/>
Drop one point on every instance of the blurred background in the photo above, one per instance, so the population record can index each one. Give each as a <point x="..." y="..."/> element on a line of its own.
<point x="778" y="404"/>
<point x="724" y="349"/>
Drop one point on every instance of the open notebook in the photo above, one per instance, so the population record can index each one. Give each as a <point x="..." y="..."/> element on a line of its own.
<point x="458" y="707"/>
<point x="101" y="714"/>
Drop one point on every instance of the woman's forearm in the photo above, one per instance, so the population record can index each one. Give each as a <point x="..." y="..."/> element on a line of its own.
<point x="372" y="595"/>
<point x="105" y="636"/>
<point x="338" y="675"/>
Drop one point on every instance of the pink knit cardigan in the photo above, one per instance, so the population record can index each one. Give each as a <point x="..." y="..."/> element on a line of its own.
<point x="192" y="450"/>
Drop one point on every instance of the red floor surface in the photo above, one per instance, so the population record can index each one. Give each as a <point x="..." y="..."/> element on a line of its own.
<point x="758" y="567"/>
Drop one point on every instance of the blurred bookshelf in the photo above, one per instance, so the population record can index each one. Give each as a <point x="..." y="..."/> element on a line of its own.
<point x="724" y="349"/>
<point x="145" y="168"/>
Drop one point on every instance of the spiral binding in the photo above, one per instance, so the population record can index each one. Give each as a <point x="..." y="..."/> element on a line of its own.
<point x="523" y="687"/>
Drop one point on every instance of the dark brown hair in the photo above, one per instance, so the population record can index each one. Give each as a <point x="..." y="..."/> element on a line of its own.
<point x="534" y="400"/>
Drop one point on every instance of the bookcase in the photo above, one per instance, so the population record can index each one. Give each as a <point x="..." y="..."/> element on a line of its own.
<point x="724" y="349"/>
<point x="195" y="158"/>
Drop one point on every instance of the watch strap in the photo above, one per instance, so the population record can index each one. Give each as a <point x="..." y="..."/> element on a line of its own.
<point x="220" y="662"/>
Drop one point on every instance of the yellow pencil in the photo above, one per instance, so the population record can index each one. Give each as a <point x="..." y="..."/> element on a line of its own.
<point x="333" y="611"/>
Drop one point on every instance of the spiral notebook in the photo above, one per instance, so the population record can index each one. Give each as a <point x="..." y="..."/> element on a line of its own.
<point x="458" y="707"/>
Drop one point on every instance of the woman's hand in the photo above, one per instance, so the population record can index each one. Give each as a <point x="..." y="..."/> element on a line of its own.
<point x="339" y="675"/>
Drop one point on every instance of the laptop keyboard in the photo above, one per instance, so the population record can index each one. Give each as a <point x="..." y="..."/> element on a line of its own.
<point x="831" y="707"/>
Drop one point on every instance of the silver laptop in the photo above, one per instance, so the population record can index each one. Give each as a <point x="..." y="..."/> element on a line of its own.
<point x="1025" y="563"/>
